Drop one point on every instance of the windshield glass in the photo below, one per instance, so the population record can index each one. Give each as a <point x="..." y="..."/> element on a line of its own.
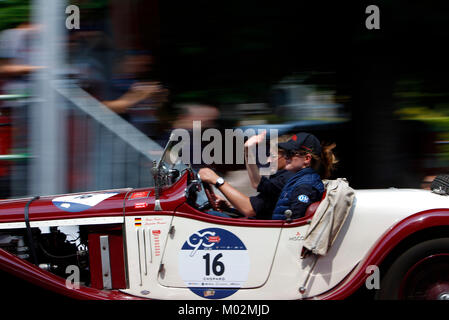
<point x="170" y="166"/>
<point x="170" y="169"/>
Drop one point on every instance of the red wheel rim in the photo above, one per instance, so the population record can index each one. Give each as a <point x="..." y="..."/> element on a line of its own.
<point x="428" y="279"/>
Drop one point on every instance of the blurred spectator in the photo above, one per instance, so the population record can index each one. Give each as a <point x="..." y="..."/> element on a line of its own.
<point x="134" y="96"/>
<point x="90" y="54"/>
<point x="16" y="50"/>
<point x="207" y="114"/>
<point x="16" y="54"/>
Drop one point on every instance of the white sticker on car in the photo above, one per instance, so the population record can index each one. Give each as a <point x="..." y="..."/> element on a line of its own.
<point x="214" y="263"/>
<point x="303" y="198"/>
<point x="81" y="202"/>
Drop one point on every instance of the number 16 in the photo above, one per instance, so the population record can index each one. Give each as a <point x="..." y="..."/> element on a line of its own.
<point x="218" y="267"/>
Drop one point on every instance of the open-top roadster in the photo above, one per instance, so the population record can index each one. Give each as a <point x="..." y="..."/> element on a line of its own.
<point x="158" y="243"/>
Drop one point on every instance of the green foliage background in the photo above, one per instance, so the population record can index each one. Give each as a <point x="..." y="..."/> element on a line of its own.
<point x="14" y="12"/>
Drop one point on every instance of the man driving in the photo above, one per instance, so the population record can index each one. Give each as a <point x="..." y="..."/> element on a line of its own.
<point x="260" y="206"/>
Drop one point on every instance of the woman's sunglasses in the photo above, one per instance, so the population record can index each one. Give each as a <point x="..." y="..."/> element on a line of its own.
<point x="280" y="154"/>
<point x="290" y="154"/>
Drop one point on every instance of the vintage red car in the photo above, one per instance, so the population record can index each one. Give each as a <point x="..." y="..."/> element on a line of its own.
<point x="158" y="243"/>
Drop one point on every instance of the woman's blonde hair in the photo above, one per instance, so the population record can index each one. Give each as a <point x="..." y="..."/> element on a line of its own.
<point x="326" y="162"/>
<point x="285" y="137"/>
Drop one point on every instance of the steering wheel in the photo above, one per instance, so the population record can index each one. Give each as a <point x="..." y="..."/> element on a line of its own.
<point x="211" y="197"/>
<point x="214" y="204"/>
<point x="210" y="194"/>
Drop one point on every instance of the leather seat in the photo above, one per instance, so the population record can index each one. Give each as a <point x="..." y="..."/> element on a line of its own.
<point x="313" y="206"/>
<point x="311" y="209"/>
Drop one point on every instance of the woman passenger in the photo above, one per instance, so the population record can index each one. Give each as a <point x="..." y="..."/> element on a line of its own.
<point x="311" y="162"/>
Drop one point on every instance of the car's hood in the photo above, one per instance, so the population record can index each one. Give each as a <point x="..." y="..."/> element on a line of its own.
<point x="104" y="203"/>
<point x="65" y="206"/>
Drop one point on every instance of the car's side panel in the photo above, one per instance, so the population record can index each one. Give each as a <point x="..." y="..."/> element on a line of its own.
<point x="145" y="239"/>
<point x="288" y="271"/>
<point x="152" y="276"/>
<point x="381" y="249"/>
<point x="375" y="212"/>
<point x="246" y="254"/>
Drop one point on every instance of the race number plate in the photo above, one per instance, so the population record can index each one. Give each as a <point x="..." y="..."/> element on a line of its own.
<point x="214" y="263"/>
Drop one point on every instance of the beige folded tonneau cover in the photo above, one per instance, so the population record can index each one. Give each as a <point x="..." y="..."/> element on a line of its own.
<point x="329" y="216"/>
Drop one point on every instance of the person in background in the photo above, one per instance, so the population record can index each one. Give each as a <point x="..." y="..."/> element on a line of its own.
<point x="17" y="51"/>
<point x="208" y="114"/>
<point x="133" y="96"/>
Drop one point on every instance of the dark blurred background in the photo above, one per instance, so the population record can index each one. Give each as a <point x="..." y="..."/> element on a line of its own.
<point x="381" y="95"/>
